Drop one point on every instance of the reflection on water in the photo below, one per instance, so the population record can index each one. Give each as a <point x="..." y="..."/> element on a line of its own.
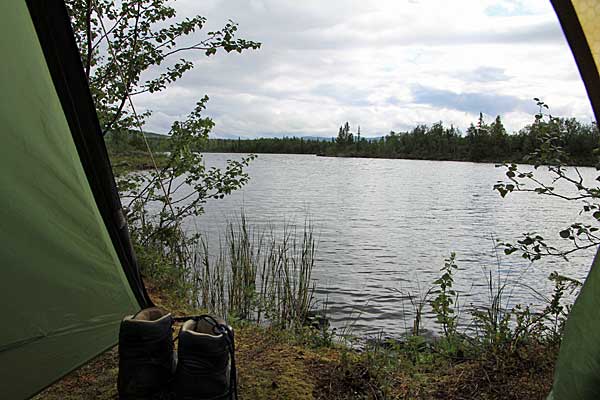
<point x="384" y="228"/>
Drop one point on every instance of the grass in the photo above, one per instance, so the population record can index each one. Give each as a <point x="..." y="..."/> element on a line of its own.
<point x="293" y="362"/>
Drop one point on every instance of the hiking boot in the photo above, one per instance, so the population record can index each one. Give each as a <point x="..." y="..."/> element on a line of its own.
<point x="206" y="363"/>
<point x="146" y="356"/>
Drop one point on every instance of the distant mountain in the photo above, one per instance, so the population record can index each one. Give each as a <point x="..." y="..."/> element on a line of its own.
<point x="331" y="139"/>
<point x="152" y="135"/>
<point x="318" y="138"/>
<point x="227" y="136"/>
<point x="149" y="135"/>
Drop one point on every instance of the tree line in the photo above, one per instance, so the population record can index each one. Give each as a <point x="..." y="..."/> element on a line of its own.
<point x="481" y="142"/>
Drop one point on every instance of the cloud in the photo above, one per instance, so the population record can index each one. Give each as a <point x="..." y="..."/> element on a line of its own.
<point x="485" y="74"/>
<point x="490" y="104"/>
<point x="346" y="94"/>
<point x="382" y="65"/>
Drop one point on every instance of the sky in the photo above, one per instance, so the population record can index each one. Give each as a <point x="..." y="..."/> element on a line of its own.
<point x="384" y="65"/>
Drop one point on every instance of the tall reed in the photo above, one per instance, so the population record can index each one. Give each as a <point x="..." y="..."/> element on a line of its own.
<point x="259" y="274"/>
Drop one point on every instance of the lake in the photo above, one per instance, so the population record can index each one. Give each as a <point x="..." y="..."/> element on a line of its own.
<point x="384" y="228"/>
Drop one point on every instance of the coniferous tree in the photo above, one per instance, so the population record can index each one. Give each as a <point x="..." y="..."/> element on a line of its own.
<point x="498" y="138"/>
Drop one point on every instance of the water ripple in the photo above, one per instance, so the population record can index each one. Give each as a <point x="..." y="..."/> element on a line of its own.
<point x="384" y="228"/>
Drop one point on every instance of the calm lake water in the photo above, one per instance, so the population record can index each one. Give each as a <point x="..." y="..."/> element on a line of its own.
<point x="384" y="228"/>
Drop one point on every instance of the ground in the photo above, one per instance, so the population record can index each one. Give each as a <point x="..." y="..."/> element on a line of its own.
<point x="275" y="365"/>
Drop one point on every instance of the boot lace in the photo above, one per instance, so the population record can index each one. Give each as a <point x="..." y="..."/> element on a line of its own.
<point x="227" y="332"/>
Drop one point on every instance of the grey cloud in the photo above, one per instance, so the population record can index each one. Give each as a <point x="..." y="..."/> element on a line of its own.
<point x="490" y="104"/>
<point x="346" y="36"/>
<point x="326" y="62"/>
<point x="393" y="100"/>
<point x="311" y="25"/>
<point x="344" y="94"/>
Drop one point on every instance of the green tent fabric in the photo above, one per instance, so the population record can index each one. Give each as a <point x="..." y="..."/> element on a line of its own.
<point x="64" y="285"/>
<point x="577" y="372"/>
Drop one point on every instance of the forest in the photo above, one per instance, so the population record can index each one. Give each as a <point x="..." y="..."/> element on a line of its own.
<point x="482" y="142"/>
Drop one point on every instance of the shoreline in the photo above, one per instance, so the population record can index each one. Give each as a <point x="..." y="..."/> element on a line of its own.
<point x="589" y="164"/>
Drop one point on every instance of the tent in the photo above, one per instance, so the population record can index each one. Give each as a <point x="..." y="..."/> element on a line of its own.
<point x="68" y="272"/>
<point x="577" y="373"/>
